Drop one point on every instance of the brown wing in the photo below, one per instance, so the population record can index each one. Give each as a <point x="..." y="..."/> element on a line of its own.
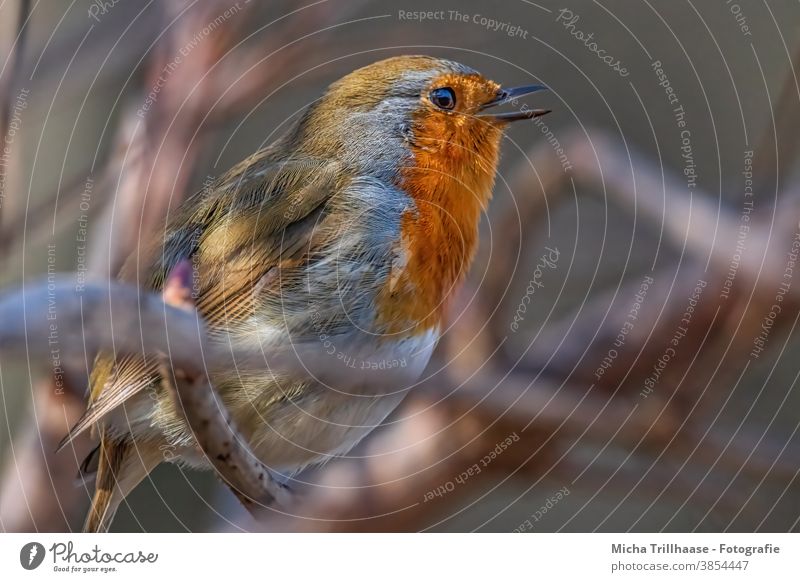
<point x="237" y="234"/>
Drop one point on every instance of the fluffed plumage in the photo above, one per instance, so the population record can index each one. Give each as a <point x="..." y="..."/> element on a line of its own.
<point x="349" y="234"/>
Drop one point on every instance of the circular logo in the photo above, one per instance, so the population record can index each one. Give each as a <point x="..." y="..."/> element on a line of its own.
<point x="31" y="555"/>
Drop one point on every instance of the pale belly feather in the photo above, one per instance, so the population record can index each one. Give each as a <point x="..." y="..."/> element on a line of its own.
<point x="292" y="424"/>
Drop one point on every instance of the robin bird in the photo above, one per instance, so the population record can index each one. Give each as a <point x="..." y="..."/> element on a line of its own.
<point x="347" y="237"/>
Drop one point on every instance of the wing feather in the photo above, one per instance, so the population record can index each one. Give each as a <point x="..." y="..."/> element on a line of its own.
<point x="238" y="234"/>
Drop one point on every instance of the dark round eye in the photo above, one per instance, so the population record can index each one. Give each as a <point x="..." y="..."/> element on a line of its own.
<point x="443" y="98"/>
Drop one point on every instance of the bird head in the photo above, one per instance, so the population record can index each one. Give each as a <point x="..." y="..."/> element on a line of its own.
<point x="410" y="113"/>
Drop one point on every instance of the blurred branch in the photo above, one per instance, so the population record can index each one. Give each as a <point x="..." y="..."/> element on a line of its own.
<point x="120" y="319"/>
<point x="7" y="88"/>
<point x="102" y="316"/>
<point x="37" y="486"/>
<point x="160" y="138"/>
<point x="777" y="148"/>
<point x="212" y="81"/>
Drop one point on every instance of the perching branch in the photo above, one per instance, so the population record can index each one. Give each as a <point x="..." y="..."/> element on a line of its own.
<point x="109" y="316"/>
<point x="121" y="319"/>
<point x="214" y="429"/>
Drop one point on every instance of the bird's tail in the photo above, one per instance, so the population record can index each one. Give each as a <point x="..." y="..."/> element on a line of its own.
<point x="121" y="466"/>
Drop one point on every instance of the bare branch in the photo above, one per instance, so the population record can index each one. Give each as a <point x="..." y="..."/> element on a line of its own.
<point x="99" y="316"/>
<point x="225" y="446"/>
<point x="214" y="429"/>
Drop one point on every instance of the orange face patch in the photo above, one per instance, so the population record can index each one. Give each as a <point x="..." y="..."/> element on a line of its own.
<point x="455" y="156"/>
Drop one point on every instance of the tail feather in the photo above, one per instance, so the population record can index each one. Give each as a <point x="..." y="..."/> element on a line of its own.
<point x="121" y="466"/>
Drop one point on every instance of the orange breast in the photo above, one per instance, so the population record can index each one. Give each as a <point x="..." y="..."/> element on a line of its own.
<point x="450" y="181"/>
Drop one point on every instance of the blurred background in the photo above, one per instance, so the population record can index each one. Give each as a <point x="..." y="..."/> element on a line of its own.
<point x="615" y="361"/>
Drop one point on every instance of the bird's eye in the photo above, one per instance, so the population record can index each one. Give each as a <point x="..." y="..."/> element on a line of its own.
<point x="443" y="98"/>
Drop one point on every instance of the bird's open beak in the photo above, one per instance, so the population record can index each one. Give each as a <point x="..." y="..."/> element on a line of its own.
<point x="509" y="95"/>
